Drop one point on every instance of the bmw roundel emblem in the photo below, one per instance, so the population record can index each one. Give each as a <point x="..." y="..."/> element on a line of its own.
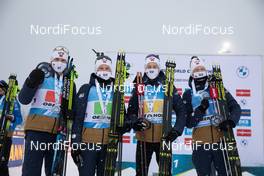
<point x="242" y="72"/>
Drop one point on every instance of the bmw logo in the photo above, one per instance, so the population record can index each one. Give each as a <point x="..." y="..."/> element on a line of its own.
<point x="243" y="102"/>
<point x="244" y="143"/>
<point x="242" y="72"/>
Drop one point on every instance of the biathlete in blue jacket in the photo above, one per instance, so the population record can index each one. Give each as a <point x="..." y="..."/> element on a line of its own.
<point x="16" y="119"/>
<point x="208" y="126"/>
<point x="43" y="89"/>
<point x="154" y="81"/>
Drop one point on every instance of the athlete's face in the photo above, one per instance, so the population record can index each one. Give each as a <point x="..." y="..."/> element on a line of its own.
<point x="2" y="92"/>
<point x="59" y="60"/>
<point x="152" y="65"/>
<point x="104" y="67"/>
<point x="199" y="69"/>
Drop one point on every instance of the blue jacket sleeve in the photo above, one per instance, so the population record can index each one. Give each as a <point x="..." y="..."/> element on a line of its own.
<point x="26" y="94"/>
<point x="178" y="107"/>
<point x="233" y="107"/>
<point x="80" y="108"/>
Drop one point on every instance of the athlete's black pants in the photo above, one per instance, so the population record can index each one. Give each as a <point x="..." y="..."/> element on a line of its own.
<point x="203" y="158"/>
<point x="147" y="151"/>
<point x="6" y="153"/>
<point x="93" y="161"/>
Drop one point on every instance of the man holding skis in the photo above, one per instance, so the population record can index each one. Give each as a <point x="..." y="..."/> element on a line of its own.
<point x="208" y="125"/>
<point x="44" y="90"/>
<point x="92" y="119"/>
<point x="16" y="119"/>
<point x="154" y="81"/>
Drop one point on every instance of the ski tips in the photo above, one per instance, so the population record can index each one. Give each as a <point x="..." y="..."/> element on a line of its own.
<point x="215" y="65"/>
<point x="12" y="76"/>
<point x="121" y="52"/>
<point x="170" y="63"/>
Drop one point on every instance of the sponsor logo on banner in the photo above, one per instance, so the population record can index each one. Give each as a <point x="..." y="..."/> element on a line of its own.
<point x="243" y="93"/>
<point x="187" y="141"/>
<point x="244" y="123"/>
<point x="181" y="80"/>
<point x="182" y="71"/>
<point x="244" y="132"/>
<point x="242" y="72"/>
<point x="17" y="149"/>
<point x="246" y="112"/>
<point x="244" y="142"/>
<point x="243" y="102"/>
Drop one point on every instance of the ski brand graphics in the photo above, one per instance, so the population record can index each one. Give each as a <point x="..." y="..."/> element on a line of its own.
<point x="114" y="147"/>
<point x="231" y="157"/>
<point x="95" y="117"/>
<point x="59" y="162"/>
<point x="243" y="92"/>
<point x="244" y="132"/>
<point x="44" y="103"/>
<point x="8" y="108"/>
<point x="153" y="104"/>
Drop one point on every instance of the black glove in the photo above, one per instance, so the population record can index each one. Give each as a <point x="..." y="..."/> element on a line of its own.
<point x="141" y="124"/>
<point x="35" y="78"/>
<point x="203" y="106"/>
<point x="200" y="110"/>
<point x="227" y="124"/>
<point x="77" y="157"/>
<point x="172" y="136"/>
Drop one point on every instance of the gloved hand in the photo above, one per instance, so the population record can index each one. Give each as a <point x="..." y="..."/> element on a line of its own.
<point x="199" y="113"/>
<point x="35" y="78"/>
<point x="226" y="124"/>
<point x="172" y="136"/>
<point x="10" y="117"/>
<point x="203" y="106"/>
<point x="141" y="124"/>
<point x="77" y="157"/>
